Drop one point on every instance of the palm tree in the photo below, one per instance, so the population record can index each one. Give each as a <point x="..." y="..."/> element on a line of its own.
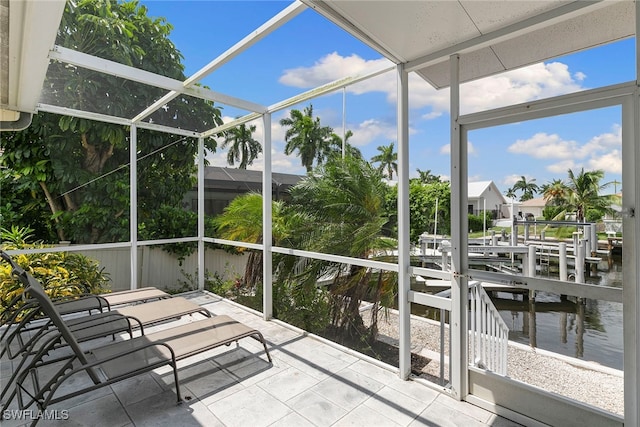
<point x="306" y="136"/>
<point x="343" y="212"/>
<point x="511" y="193"/>
<point x="555" y="192"/>
<point x="243" y="148"/>
<point x="584" y="194"/>
<point x="528" y="188"/>
<point x="388" y="160"/>
<point x="241" y="221"/>
<point x="426" y="177"/>
<point x="336" y="146"/>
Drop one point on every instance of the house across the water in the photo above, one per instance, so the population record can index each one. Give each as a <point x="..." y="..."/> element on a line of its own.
<point x="485" y="196"/>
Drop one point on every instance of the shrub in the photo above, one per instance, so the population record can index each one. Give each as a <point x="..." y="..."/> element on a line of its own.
<point x="62" y="274"/>
<point x="550" y="213"/>
<point x="476" y="223"/>
<point x="303" y="306"/>
<point x="593" y="215"/>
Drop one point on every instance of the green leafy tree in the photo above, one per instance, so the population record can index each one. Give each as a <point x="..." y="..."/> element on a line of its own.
<point x="422" y="208"/>
<point x="19" y="206"/>
<point x="243" y="148"/>
<point x="511" y="193"/>
<point x="528" y="188"/>
<point x="306" y="136"/>
<point x="388" y="160"/>
<point x="79" y="166"/>
<point x="340" y="207"/>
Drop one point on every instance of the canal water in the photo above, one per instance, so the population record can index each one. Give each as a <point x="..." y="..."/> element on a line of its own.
<point x="590" y="330"/>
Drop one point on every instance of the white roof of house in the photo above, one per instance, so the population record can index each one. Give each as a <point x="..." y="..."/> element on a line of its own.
<point x="476" y="189"/>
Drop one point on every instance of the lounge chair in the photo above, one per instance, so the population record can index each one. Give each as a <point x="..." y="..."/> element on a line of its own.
<point x="89" y="327"/>
<point x="85" y="328"/>
<point x="100" y="325"/>
<point x="119" y="360"/>
<point x="105" y="302"/>
<point x="109" y="322"/>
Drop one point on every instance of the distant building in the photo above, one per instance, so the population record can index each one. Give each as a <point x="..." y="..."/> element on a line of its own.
<point x="484" y="195"/>
<point x="221" y="185"/>
<point x="532" y="208"/>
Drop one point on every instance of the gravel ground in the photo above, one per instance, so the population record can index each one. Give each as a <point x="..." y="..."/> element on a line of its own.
<point x="582" y="381"/>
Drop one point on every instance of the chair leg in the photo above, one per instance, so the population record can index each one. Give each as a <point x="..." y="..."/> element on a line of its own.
<point x="264" y="344"/>
<point x="174" y="365"/>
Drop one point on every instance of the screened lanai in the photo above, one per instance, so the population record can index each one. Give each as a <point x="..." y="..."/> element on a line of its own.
<point x="445" y="43"/>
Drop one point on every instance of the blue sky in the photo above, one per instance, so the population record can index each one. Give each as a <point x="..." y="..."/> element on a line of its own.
<point x="310" y="51"/>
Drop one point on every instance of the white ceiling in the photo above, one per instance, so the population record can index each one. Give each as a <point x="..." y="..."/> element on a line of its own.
<point x="490" y="36"/>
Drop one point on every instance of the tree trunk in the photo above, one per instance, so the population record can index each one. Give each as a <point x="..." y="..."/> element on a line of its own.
<point x="95" y="157"/>
<point x="54" y="209"/>
<point x="71" y="205"/>
<point x="253" y="270"/>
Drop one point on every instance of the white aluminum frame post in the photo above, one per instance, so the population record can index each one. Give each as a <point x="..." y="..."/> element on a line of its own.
<point x="459" y="291"/>
<point x="201" y="213"/>
<point x="267" y="226"/>
<point x="133" y="203"/>
<point x="404" y="244"/>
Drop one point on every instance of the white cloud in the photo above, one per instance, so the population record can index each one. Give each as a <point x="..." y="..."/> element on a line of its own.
<point x="609" y="162"/>
<point x="562" y="167"/>
<point x="432" y="115"/>
<point x="546" y="146"/>
<point x="608" y="140"/>
<point x="509" y="180"/>
<point x="521" y="85"/>
<point x="600" y="152"/>
<point x="280" y="162"/>
<point x="329" y="68"/>
<point x="370" y="130"/>
<point x="446" y="149"/>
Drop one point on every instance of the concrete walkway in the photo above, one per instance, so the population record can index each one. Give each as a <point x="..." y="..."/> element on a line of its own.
<point x="309" y="383"/>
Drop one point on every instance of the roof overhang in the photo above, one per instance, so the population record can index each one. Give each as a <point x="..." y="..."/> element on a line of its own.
<point x="27" y="33"/>
<point x="490" y="36"/>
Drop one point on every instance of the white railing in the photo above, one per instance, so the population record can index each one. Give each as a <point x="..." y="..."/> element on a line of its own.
<point x="488" y="334"/>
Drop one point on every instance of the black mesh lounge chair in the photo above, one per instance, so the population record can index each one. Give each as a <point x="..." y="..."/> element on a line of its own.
<point x="116" y="361"/>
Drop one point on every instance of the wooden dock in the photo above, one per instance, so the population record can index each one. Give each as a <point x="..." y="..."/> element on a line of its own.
<point x="614" y="244"/>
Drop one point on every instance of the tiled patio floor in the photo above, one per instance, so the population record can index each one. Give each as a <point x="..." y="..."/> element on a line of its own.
<point x="309" y="383"/>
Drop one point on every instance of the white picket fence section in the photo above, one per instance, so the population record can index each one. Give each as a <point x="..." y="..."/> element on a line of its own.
<point x="489" y="334"/>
